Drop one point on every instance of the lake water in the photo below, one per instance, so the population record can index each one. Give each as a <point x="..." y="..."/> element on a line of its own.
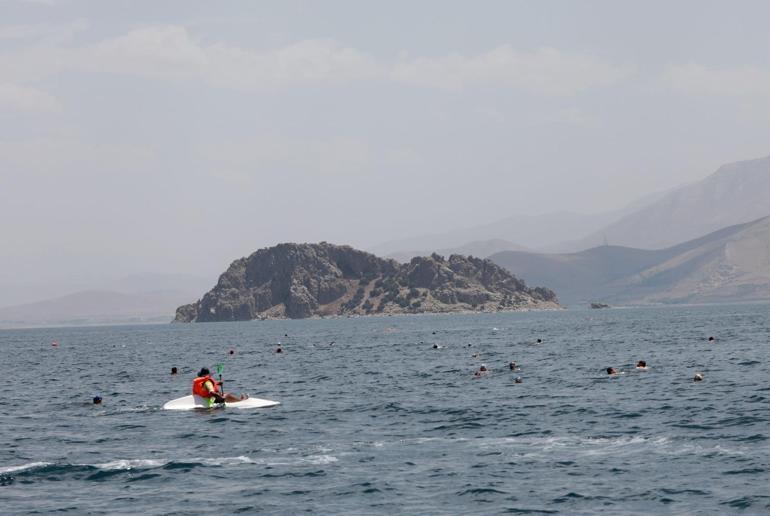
<point x="379" y="422"/>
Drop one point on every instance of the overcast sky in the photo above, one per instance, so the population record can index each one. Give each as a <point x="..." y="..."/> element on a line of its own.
<point x="177" y="136"/>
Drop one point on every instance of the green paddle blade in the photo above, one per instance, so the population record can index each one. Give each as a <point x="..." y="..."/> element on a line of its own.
<point x="220" y="368"/>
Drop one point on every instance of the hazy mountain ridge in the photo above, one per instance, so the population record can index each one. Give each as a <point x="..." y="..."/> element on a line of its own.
<point x="304" y="280"/>
<point x="731" y="264"/>
<point x="736" y="193"/>
<point x="95" y="307"/>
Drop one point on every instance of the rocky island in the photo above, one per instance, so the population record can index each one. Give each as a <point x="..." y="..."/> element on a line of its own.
<point x="306" y="280"/>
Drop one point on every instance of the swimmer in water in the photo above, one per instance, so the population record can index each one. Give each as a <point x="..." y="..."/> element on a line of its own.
<point x="612" y="371"/>
<point x="173" y="370"/>
<point x="539" y="341"/>
<point x="641" y="365"/>
<point x="698" y="377"/>
<point x="97" y="400"/>
<point x="518" y="380"/>
<point x="711" y="339"/>
<point x="278" y="350"/>
<point x="435" y="346"/>
<point x="513" y="366"/>
<point x="482" y="371"/>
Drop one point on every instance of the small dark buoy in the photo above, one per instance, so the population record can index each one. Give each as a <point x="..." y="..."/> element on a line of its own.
<point x="285" y="334"/>
<point x="232" y="352"/>
<point x="173" y="370"/>
<point x="97" y="400"/>
<point x="434" y="333"/>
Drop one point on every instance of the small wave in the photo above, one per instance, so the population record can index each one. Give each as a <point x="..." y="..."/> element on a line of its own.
<point x="23" y="467"/>
<point x="125" y="464"/>
<point x="116" y="466"/>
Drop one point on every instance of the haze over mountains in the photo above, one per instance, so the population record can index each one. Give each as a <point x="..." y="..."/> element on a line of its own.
<point x="736" y="193"/>
<point x="129" y="299"/>
<point x="731" y="264"/>
<point x="683" y="245"/>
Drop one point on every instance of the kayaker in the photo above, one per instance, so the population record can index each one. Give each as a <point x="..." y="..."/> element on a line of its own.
<point x="207" y="388"/>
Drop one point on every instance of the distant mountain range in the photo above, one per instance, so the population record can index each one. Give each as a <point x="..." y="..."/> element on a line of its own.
<point x="522" y="231"/>
<point x="731" y="264"/>
<point x="736" y="193"/>
<point x="95" y="307"/>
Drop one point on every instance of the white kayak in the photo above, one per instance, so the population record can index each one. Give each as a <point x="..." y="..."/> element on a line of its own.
<point x="194" y="402"/>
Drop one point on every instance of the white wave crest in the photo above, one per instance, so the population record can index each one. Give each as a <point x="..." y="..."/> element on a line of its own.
<point x="130" y="464"/>
<point x="23" y="467"/>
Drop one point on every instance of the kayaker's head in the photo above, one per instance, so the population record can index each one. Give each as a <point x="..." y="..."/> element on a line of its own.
<point x="204" y="372"/>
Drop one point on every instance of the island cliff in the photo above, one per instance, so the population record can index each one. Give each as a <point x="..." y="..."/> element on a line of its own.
<point x="305" y="280"/>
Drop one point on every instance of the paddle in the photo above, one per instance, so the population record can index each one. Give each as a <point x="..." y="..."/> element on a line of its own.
<point x="220" y="368"/>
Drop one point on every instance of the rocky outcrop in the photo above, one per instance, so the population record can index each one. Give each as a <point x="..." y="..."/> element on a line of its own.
<point x="305" y="280"/>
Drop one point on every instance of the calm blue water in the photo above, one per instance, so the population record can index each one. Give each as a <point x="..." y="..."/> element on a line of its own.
<point x="380" y="422"/>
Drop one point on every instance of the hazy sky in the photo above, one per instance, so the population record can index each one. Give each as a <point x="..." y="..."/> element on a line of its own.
<point x="177" y="136"/>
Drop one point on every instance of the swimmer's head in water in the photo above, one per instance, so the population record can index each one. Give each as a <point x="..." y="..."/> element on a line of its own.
<point x="97" y="400"/>
<point x="204" y="372"/>
<point x="173" y="370"/>
<point x="483" y="367"/>
<point x="435" y="346"/>
<point x="611" y="370"/>
<point x="518" y="380"/>
<point x="711" y="338"/>
<point x="539" y="341"/>
<point x="698" y="377"/>
<point x="512" y="365"/>
<point x="641" y="363"/>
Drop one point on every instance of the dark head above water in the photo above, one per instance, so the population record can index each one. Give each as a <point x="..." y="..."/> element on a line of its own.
<point x="611" y="370"/>
<point x="204" y="372"/>
<point x="173" y="370"/>
<point x="97" y="400"/>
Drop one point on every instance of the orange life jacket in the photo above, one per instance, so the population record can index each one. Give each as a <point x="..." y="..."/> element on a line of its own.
<point x="199" y="389"/>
